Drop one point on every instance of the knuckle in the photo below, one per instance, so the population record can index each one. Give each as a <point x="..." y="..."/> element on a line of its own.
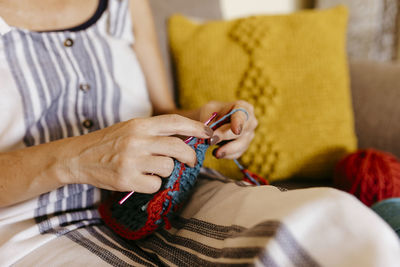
<point x="176" y="141"/>
<point x="132" y="142"/>
<point x="255" y="123"/>
<point x="214" y="105"/>
<point x="122" y="164"/>
<point x="176" y="144"/>
<point x="123" y="183"/>
<point x="138" y="125"/>
<point x="133" y="124"/>
<point x="241" y="102"/>
<point x="252" y="135"/>
<point x="193" y="157"/>
<point x="167" y="166"/>
<point x="154" y="185"/>
<point x="251" y="108"/>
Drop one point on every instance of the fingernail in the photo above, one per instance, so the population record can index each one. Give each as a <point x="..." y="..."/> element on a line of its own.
<point x="215" y="139"/>
<point x="215" y="152"/>
<point x="221" y="155"/>
<point x="209" y="132"/>
<point x="240" y="128"/>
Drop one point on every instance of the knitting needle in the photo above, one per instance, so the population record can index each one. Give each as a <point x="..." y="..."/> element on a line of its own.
<point x="186" y="141"/>
<point x="125" y="198"/>
<point x="206" y="123"/>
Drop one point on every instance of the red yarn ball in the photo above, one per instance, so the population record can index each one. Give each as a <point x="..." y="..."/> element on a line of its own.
<point x="370" y="175"/>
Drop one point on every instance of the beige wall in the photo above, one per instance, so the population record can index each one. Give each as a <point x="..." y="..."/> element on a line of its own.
<point x="239" y="8"/>
<point x="398" y="40"/>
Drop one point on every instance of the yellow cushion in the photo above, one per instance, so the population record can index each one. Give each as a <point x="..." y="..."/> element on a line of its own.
<point x="292" y="68"/>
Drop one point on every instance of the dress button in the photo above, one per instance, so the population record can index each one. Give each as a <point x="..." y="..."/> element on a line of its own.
<point x="84" y="87"/>
<point x="68" y="42"/>
<point x="87" y="124"/>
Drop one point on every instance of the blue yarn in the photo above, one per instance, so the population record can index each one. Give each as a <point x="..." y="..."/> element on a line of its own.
<point x="246" y="174"/>
<point x="189" y="176"/>
<point x="230" y="114"/>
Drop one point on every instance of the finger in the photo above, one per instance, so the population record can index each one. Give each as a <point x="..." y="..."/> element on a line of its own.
<point x="234" y="149"/>
<point x="146" y="183"/>
<point x="238" y="121"/>
<point x="225" y="133"/>
<point x="174" y="124"/>
<point x="240" y="118"/>
<point x="172" y="147"/>
<point x="159" y="165"/>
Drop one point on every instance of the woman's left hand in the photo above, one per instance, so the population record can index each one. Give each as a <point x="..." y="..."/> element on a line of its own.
<point x="239" y="132"/>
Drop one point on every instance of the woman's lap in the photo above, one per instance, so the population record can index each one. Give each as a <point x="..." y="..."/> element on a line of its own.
<point x="228" y="223"/>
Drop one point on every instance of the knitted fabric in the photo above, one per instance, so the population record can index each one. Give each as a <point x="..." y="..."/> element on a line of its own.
<point x="292" y="68"/>
<point x="142" y="214"/>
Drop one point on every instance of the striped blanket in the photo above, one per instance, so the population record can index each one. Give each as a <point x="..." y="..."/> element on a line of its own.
<point x="224" y="223"/>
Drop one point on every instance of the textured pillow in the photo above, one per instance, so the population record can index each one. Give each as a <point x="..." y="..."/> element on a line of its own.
<point x="292" y="68"/>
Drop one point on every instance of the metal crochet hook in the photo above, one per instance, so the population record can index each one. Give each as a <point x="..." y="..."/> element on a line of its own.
<point x="187" y="140"/>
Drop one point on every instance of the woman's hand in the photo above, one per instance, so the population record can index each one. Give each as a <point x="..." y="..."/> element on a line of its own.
<point x="240" y="130"/>
<point x="133" y="155"/>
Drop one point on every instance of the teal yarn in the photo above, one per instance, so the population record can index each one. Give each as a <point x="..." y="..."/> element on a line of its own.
<point x="389" y="210"/>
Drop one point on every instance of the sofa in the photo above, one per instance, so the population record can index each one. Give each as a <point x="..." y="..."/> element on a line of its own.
<point x="375" y="86"/>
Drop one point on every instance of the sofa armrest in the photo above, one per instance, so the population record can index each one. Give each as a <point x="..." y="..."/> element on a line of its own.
<point x="376" y="102"/>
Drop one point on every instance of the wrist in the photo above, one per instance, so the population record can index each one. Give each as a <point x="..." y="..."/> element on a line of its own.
<point x="66" y="163"/>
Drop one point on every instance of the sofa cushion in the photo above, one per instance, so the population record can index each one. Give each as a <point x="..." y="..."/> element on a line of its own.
<point x="376" y="101"/>
<point x="300" y="89"/>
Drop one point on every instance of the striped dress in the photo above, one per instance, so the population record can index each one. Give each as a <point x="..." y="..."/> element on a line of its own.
<point x="67" y="83"/>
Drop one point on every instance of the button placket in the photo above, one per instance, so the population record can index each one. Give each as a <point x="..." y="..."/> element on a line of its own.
<point x="84" y="87"/>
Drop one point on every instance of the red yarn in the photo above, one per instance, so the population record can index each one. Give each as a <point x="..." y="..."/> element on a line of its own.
<point x="370" y="175"/>
<point x="154" y="211"/>
<point x="256" y="177"/>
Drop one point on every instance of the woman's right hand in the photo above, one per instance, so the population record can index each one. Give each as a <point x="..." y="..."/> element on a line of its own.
<point x="132" y="155"/>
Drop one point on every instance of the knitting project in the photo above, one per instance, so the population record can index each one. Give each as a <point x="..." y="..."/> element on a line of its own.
<point x="143" y="214"/>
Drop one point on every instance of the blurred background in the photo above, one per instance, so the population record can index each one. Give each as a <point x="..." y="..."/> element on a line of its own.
<point x="373" y="26"/>
<point x="373" y="32"/>
<point x="373" y="38"/>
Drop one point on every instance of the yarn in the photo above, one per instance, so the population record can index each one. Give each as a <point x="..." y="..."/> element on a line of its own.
<point x="389" y="210"/>
<point x="251" y="177"/>
<point x="142" y="214"/>
<point x="370" y="175"/>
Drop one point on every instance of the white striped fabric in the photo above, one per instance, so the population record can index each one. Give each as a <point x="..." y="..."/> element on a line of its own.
<point x="60" y="84"/>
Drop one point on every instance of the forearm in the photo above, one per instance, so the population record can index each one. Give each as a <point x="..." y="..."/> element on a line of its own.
<point x="29" y="172"/>
<point x="148" y="52"/>
<point x="193" y="114"/>
<point x="149" y="55"/>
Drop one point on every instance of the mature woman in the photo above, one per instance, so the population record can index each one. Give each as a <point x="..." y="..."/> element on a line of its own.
<point x="79" y="81"/>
